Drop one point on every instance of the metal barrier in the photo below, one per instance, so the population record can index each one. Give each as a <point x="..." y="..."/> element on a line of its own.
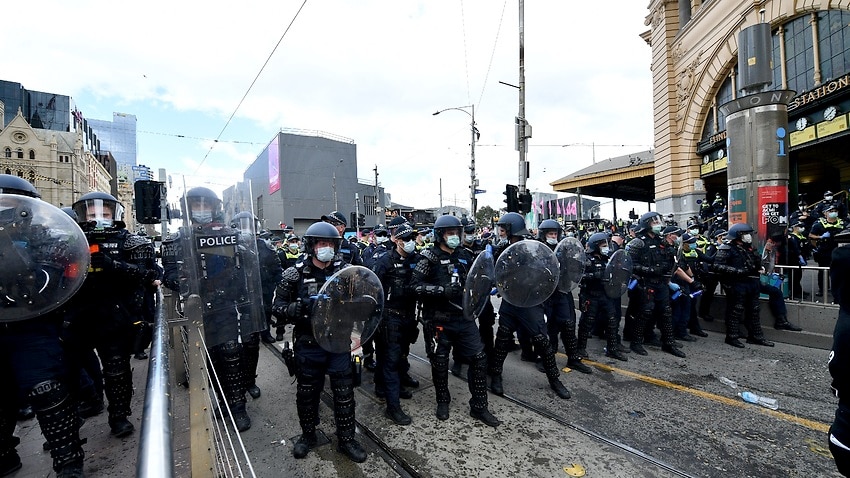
<point x="155" y="456"/>
<point x="808" y="283"/>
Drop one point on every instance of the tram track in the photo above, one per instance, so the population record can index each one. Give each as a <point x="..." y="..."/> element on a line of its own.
<point x="406" y="470"/>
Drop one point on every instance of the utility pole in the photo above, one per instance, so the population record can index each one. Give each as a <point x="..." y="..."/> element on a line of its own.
<point x="523" y="129"/>
<point x="378" y="219"/>
<point x="441" y="193"/>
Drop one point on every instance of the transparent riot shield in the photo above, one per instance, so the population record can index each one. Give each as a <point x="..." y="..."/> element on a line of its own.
<point x="479" y="283"/>
<point x="572" y="261"/>
<point x="220" y="265"/>
<point x="527" y="273"/>
<point x="44" y="257"/>
<point x="347" y="309"/>
<point x="618" y="272"/>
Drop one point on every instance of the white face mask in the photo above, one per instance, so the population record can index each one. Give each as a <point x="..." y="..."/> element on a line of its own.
<point x="747" y="238"/>
<point x="293" y="248"/>
<point x="382" y="239"/>
<point x="693" y="232"/>
<point x="604" y="250"/>
<point x="202" y="217"/>
<point x="832" y="215"/>
<point x="409" y="246"/>
<point x="827" y="198"/>
<point x="552" y="241"/>
<point x="325" y="254"/>
<point x="657" y="228"/>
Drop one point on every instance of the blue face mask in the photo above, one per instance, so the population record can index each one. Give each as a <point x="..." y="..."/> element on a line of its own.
<point x="202" y="217"/>
<point x="325" y="254"/>
<point x="409" y="246"/>
<point x="452" y="241"/>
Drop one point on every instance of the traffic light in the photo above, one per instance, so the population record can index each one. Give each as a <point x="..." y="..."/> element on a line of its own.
<point x="361" y="220"/>
<point x="524" y="203"/>
<point x="511" y="198"/>
<point x="352" y="218"/>
<point x="148" y="197"/>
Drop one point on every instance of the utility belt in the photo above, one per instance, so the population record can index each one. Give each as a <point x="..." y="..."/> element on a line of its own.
<point x="441" y="316"/>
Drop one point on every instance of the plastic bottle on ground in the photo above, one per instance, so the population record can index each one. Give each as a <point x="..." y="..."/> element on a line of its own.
<point x="730" y="383"/>
<point x="766" y="402"/>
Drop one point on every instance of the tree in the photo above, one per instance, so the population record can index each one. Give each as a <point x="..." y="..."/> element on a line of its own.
<point x="484" y="215"/>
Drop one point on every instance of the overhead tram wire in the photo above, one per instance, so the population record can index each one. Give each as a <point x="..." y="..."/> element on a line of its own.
<point x="493" y="52"/>
<point x="251" y="86"/>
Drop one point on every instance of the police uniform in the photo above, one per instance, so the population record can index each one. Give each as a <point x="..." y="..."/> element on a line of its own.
<point x="823" y="231"/>
<point x="594" y="302"/>
<point x="438" y="280"/>
<point x="292" y="300"/>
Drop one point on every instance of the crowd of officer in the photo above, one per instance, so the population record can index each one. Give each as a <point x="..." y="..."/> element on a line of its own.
<point x="672" y="276"/>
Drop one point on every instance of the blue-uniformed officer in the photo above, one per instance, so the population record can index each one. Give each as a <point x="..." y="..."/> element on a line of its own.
<point x="293" y="297"/>
<point x="438" y="282"/>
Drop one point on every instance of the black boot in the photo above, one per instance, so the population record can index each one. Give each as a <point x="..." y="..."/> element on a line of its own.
<point x="266" y="337"/>
<point x="240" y="416"/>
<point x="559" y="388"/>
<point x="407" y="380"/>
<point x="496" y="385"/>
<point x="352" y="450"/>
<point x="305" y="443"/>
<point x="369" y="362"/>
<point x="254" y="391"/>
<point x="759" y="341"/>
<point x="442" y="411"/>
<point x="576" y="364"/>
<point x="397" y="415"/>
<point x="484" y="416"/>
<point x="616" y="353"/>
<point x="670" y="349"/>
<point x="699" y="332"/>
<point x="734" y="342"/>
<point x="120" y="427"/>
<point x="638" y="348"/>
<point x="783" y="324"/>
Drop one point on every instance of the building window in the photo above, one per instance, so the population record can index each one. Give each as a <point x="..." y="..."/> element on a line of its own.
<point x="370" y="205"/>
<point x="32" y="154"/>
<point x="799" y="56"/>
<point x="20" y="153"/>
<point x="834" y="43"/>
<point x="8" y="171"/>
<point x="8" y="152"/>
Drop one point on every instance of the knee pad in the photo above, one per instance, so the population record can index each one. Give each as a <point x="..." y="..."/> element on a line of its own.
<point x="47" y="394"/>
<point x="115" y="365"/>
<point x="230" y="350"/>
<point x="479" y="361"/>
<point x="504" y="333"/>
<point x="440" y="363"/>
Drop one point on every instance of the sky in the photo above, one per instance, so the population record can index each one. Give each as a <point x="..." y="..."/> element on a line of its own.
<point x="372" y="71"/>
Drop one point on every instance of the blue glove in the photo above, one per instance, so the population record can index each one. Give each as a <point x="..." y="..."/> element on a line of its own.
<point x="825" y="235"/>
<point x="674" y="287"/>
<point x="803" y="261"/>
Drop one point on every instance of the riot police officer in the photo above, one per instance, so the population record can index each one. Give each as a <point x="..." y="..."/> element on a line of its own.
<point x="270" y="274"/>
<point x="395" y="269"/>
<point x="560" y="307"/>
<point x="105" y="314"/>
<point x="438" y="280"/>
<point x="351" y="255"/>
<point x="594" y="303"/>
<point x="511" y="318"/>
<point x="224" y="289"/>
<point x="32" y="359"/>
<point x="293" y="297"/>
<point x="739" y="266"/>
<point x="653" y="259"/>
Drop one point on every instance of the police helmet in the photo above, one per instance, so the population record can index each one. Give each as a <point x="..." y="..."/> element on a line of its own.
<point x="203" y="205"/>
<point x="513" y="224"/>
<point x="101" y="208"/>
<point x="648" y="219"/>
<point x="395" y="222"/>
<point x="336" y="218"/>
<point x="547" y="226"/>
<point x="70" y="211"/>
<point x="320" y="231"/>
<point x="445" y="222"/>
<point x="380" y="230"/>
<point x="468" y="225"/>
<point x="718" y="233"/>
<point x="291" y="237"/>
<point x="595" y="241"/>
<point x="246" y="222"/>
<point x="738" y="230"/>
<point x="14" y="185"/>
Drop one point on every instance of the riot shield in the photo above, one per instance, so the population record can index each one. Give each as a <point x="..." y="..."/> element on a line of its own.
<point x="617" y="274"/>
<point x="220" y="264"/>
<point x="479" y="283"/>
<point x="527" y="273"/>
<point x="347" y="309"/>
<point x="44" y="257"/>
<point x="572" y="261"/>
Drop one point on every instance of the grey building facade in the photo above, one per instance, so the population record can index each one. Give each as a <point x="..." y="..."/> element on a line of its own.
<point x="298" y="178"/>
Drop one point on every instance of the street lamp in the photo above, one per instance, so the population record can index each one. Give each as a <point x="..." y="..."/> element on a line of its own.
<point x="475" y="135"/>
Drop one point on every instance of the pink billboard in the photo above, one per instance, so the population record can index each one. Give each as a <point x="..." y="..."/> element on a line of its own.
<point x="274" y="166"/>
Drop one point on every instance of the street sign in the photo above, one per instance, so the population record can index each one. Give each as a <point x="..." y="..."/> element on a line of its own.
<point x="480" y="191"/>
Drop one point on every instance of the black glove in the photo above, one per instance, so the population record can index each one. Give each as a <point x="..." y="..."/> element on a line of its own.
<point x="453" y="290"/>
<point x="100" y="260"/>
<point x="697" y="285"/>
<point x="295" y="309"/>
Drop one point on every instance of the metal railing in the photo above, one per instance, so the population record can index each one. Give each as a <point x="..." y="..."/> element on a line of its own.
<point x="808" y="283"/>
<point x="155" y="454"/>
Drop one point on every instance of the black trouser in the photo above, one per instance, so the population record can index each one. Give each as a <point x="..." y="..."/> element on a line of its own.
<point x="560" y="310"/>
<point x="742" y="306"/>
<point x="656" y="307"/>
<point x="388" y="354"/>
<point x="444" y="332"/>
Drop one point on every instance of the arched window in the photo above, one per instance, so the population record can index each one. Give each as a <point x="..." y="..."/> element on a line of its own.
<point x="8" y="171"/>
<point x="8" y="152"/>
<point x="32" y="154"/>
<point x="834" y="43"/>
<point x="20" y="152"/>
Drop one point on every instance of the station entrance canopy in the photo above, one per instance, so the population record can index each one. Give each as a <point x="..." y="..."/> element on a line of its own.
<point x="630" y="178"/>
